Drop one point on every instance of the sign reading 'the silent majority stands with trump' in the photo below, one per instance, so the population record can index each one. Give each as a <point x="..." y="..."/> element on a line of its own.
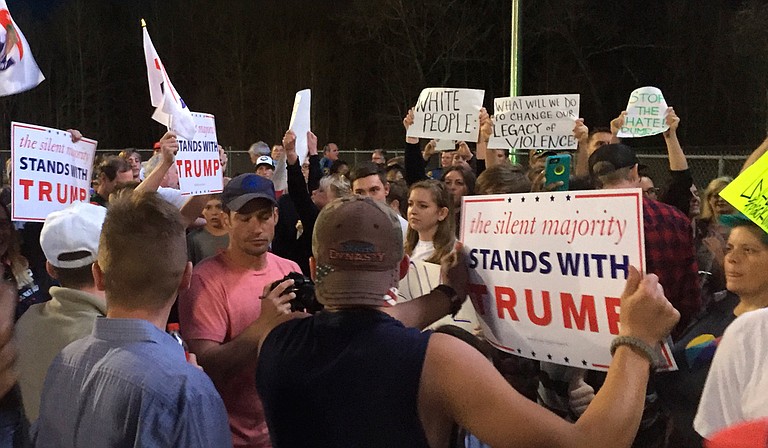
<point x="49" y="171"/>
<point x="200" y="170"/>
<point x="548" y="270"/>
<point x="450" y="114"/>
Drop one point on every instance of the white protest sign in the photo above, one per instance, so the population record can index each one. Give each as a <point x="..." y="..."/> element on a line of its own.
<point x="445" y="145"/>
<point x="300" y="122"/>
<point x="421" y="279"/>
<point x="200" y="170"/>
<point x="535" y="122"/>
<point x="49" y="171"/>
<point x="646" y="114"/>
<point x="450" y="114"/>
<point x="547" y="270"/>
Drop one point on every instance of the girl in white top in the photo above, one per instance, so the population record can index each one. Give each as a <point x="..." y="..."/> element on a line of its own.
<point x="431" y="222"/>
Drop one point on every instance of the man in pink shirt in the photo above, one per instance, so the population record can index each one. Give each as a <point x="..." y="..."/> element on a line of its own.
<point x="220" y="313"/>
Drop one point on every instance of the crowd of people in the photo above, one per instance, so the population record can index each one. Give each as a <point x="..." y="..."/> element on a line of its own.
<point x="261" y="360"/>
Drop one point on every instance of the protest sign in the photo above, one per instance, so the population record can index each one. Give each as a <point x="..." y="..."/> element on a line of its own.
<point x="547" y="270"/>
<point x="18" y="69"/>
<point x="300" y="124"/>
<point x="49" y="171"/>
<point x="748" y="193"/>
<point x="646" y="114"/>
<point x="421" y="279"/>
<point x="200" y="170"/>
<point x="535" y="122"/>
<point x="445" y="145"/>
<point x="450" y="114"/>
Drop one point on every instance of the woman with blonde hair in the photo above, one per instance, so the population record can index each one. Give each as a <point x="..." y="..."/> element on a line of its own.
<point x="430" y="234"/>
<point x="710" y="236"/>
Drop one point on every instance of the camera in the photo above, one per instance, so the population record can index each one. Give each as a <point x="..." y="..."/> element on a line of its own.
<point x="304" y="288"/>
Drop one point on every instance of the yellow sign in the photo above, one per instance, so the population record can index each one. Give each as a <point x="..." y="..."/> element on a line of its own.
<point x="749" y="192"/>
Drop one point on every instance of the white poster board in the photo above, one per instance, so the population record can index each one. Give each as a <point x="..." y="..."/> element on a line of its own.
<point x="300" y="123"/>
<point x="646" y="114"/>
<point x="49" y="171"/>
<point x="547" y="270"/>
<point x="200" y="170"/>
<point x="535" y="122"/>
<point x="450" y="114"/>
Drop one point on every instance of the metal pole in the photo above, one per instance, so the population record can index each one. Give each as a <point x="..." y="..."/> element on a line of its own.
<point x="515" y="53"/>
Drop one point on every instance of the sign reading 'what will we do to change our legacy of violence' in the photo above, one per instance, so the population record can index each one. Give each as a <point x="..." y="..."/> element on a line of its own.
<point x="547" y="271"/>
<point x="534" y="122"/>
<point x="49" y="171"/>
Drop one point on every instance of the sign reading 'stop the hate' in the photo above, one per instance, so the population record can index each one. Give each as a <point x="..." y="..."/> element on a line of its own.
<point x="450" y="114"/>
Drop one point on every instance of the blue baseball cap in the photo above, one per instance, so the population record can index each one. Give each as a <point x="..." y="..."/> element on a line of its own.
<point x="247" y="187"/>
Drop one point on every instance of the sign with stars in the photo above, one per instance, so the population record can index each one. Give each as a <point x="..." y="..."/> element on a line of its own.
<point x="548" y="269"/>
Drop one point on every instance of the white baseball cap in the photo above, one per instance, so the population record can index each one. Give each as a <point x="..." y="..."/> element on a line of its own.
<point x="76" y="228"/>
<point x="265" y="160"/>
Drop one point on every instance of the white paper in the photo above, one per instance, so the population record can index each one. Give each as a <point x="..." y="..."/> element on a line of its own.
<point x="49" y="171"/>
<point x="300" y="124"/>
<point x="535" y="122"/>
<point x="646" y="114"/>
<point x="445" y="145"/>
<point x="450" y="114"/>
<point x="200" y="170"/>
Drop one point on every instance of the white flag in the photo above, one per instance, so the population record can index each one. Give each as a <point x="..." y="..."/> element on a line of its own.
<point x="171" y="109"/>
<point x="18" y="69"/>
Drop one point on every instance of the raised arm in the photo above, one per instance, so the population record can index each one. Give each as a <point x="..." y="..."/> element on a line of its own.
<point x="756" y="154"/>
<point x="480" y="400"/>
<point x="581" y="132"/>
<point x="677" y="160"/>
<point x="168" y="149"/>
<point x="414" y="162"/>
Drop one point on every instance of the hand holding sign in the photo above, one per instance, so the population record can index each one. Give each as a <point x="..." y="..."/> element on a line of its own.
<point x="646" y="313"/>
<point x="289" y="143"/>
<point x="312" y="143"/>
<point x="407" y="123"/>
<point x="169" y="146"/>
<point x="673" y="121"/>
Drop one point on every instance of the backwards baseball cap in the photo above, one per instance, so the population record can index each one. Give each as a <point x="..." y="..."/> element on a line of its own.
<point x="609" y="158"/>
<point x="247" y="187"/>
<point x="75" y="229"/>
<point x="265" y="160"/>
<point x="358" y="246"/>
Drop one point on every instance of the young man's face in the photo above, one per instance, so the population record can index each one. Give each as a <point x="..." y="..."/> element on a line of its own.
<point x="372" y="187"/>
<point x="213" y="214"/>
<point x="252" y="228"/>
<point x="265" y="171"/>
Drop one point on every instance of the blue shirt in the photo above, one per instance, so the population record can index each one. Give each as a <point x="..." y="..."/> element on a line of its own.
<point x="128" y="384"/>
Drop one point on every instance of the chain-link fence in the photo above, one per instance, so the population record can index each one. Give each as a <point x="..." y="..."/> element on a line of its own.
<point x="705" y="163"/>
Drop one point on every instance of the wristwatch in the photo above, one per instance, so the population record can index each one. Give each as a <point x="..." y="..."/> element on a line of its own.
<point x="453" y="297"/>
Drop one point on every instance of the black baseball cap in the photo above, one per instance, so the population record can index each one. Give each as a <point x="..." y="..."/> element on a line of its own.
<point x="616" y="156"/>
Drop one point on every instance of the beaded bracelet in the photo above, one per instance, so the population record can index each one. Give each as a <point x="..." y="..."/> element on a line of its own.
<point x="646" y="350"/>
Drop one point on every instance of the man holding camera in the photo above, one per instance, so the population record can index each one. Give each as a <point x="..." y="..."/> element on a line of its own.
<point x="221" y="313"/>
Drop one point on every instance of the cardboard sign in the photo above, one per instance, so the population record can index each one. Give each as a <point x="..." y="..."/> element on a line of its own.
<point x="300" y="123"/>
<point x="535" y="122"/>
<point x="748" y="193"/>
<point x="450" y="114"/>
<point x="547" y="270"/>
<point x="646" y="114"/>
<point x="198" y="161"/>
<point x="49" y="171"/>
